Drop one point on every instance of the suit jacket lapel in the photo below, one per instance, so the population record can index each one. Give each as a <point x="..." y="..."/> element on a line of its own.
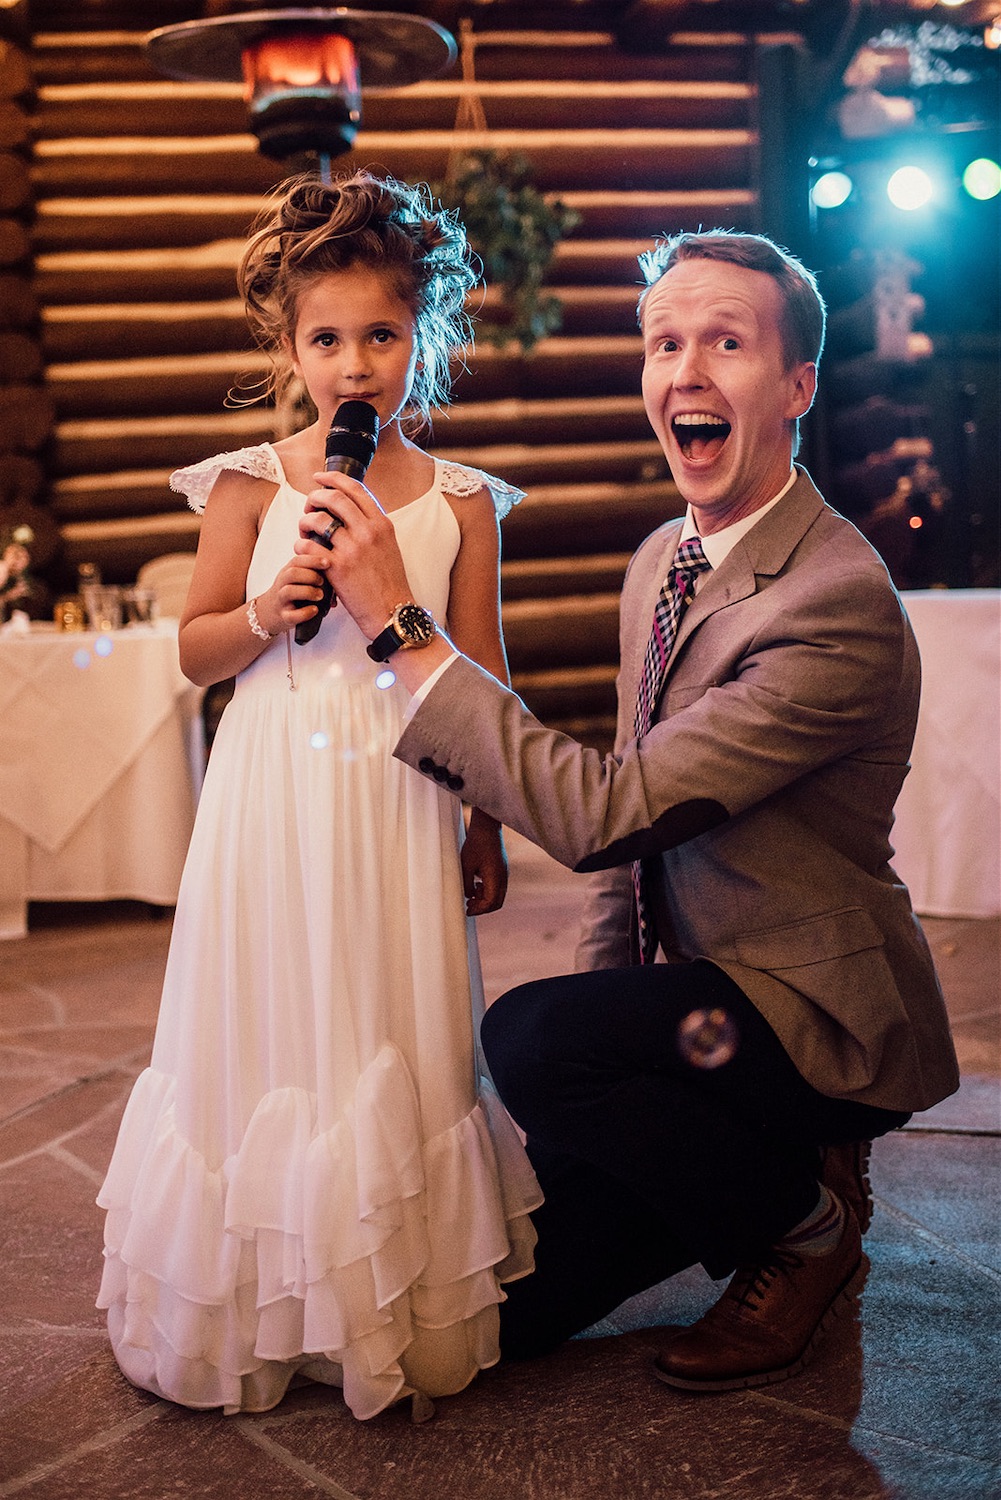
<point x="761" y="552"/>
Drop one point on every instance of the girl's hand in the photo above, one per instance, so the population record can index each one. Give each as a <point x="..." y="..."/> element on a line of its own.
<point x="484" y="865"/>
<point x="293" y="596"/>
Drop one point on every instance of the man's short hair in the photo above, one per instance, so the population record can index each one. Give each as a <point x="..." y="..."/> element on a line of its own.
<point x="804" y="314"/>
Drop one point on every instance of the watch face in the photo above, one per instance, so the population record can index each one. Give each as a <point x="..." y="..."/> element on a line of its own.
<point x="415" y="625"/>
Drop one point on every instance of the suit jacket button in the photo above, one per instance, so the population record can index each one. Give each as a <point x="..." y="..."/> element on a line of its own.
<point x="426" y="765"/>
<point x="455" y="783"/>
<point x="440" y="774"/>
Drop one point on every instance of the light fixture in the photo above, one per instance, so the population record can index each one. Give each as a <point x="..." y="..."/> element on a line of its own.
<point x="303" y="68"/>
<point x="832" y="189"/>
<point x="910" y="188"/>
<point x="982" y="179"/>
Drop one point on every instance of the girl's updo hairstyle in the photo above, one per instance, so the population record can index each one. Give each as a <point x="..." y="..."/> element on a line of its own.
<point x="361" y="220"/>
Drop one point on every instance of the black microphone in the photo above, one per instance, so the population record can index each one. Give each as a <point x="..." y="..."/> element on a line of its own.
<point x="350" y="448"/>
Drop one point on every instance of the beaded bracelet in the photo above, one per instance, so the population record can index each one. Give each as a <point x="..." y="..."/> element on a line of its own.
<point x="255" y="623"/>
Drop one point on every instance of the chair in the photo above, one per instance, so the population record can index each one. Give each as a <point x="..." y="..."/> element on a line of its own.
<point x="169" y="576"/>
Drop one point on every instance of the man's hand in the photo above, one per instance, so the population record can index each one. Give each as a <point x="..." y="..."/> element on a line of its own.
<point x="365" y="567"/>
<point x="364" y="562"/>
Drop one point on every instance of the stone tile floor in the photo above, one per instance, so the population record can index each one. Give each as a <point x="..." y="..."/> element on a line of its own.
<point x="902" y="1402"/>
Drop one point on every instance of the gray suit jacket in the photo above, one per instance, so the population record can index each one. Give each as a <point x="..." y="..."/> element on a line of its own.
<point x="764" y="793"/>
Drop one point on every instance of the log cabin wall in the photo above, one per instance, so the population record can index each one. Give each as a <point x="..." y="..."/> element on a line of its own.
<point x="144" y="188"/>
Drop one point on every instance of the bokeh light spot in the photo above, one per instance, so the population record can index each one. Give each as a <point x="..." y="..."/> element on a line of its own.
<point x="104" y="645"/>
<point x="318" y="740"/>
<point x="910" y="188"/>
<point x="81" y="658"/>
<point x="707" y="1038"/>
<point x="832" y="189"/>
<point x="385" y="679"/>
<point x="982" y="179"/>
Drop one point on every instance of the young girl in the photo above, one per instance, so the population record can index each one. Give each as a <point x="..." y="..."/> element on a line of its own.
<point x="312" y="1178"/>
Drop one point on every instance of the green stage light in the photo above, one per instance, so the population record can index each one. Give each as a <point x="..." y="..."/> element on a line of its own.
<point x="982" y="179"/>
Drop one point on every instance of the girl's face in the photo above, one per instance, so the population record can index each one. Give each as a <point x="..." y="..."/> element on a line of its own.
<point x="355" y="340"/>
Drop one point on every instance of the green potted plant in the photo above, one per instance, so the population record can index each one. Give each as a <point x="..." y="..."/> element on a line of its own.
<point x="515" y="230"/>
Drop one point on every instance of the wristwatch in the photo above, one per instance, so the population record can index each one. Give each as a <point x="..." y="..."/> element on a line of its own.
<point x="408" y="628"/>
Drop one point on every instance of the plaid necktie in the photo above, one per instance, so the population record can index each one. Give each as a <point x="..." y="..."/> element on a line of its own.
<point x="678" y="588"/>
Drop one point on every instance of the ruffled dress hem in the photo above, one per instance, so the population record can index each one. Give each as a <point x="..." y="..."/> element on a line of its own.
<point x="359" y="1254"/>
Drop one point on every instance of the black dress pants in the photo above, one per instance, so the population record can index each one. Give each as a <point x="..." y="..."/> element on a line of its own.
<point x="653" y="1153"/>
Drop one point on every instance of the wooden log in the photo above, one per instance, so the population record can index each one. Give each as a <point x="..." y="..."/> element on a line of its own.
<point x="15" y="246"/>
<point x="96" y="222"/>
<point x="15" y="133"/>
<point x="579" y="700"/>
<point x="554" y="577"/>
<point x="176" y="109"/>
<point x="132" y="387"/>
<point x="506" y="54"/>
<point x="203" y="272"/>
<point x="637" y="210"/>
<point x="582" y="366"/>
<point x="77" y="57"/>
<point x="200" y="382"/>
<point x="152" y="329"/>
<point x="15" y="184"/>
<point x="166" y="222"/>
<point x="561" y="419"/>
<point x="124" y="494"/>
<point x="88" y="447"/>
<point x="562" y="160"/>
<point x="26" y="418"/>
<point x="557" y="520"/>
<point x="92" y="449"/>
<point x="20" y="358"/>
<point x="145" y="329"/>
<point x="16" y="80"/>
<point x="69" y="111"/>
<point x="576" y="630"/>
<point x="18" y="304"/>
<point x="577" y="463"/>
<point x="121" y="547"/>
<point x="21" y="480"/>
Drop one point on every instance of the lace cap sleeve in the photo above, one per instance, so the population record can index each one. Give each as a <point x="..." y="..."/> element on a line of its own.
<point x="461" y="479"/>
<point x="196" y="480"/>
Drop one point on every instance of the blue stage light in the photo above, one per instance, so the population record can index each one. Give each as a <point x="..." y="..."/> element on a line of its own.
<point x="832" y="189"/>
<point x="910" y="188"/>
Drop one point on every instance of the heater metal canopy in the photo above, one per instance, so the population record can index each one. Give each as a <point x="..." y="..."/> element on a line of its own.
<point x="393" y="49"/>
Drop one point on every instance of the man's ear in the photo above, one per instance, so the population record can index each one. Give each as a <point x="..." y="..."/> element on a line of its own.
<point x="803" y="388"/>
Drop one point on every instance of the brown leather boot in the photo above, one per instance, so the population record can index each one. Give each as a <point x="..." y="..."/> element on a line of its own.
<point x="845" y="1170"/>
<point x="768" y="1322"/>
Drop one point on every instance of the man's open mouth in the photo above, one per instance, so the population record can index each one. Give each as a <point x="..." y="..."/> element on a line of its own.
<point x="700" y="434"/>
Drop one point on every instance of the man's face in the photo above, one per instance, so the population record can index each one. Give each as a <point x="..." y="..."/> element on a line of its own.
<point x="716" y="389"/>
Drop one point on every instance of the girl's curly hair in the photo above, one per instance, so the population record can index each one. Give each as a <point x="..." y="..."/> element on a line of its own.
<point x="316" y="227"/>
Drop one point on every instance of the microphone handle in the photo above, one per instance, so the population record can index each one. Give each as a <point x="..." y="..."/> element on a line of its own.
<point x="337" y="463"/>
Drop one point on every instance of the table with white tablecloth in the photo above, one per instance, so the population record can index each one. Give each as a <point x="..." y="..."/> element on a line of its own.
<point x="947" y="835"/>
<point x="100" y="765"/>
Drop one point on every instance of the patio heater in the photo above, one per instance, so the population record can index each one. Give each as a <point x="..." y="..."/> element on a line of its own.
<point x="302" y="68"/>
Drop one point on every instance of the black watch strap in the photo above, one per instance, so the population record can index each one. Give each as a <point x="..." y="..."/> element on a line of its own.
<point x="385" y="643"/>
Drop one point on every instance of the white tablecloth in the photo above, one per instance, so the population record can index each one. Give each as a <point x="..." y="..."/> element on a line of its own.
<point x="948" y="830"/>
<point x="99" y="768"/>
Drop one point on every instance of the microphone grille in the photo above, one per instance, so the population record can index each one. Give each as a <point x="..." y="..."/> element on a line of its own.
<point x="357" y="416"/>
